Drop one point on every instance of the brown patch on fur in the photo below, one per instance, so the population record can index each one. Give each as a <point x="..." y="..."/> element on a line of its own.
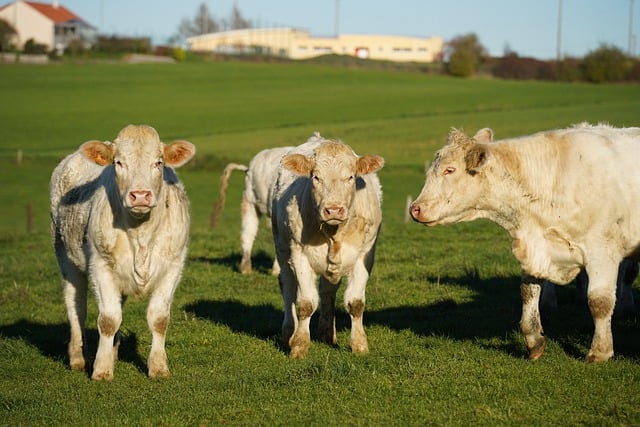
<point x="601" y="306"/>
<point x="519" y="249"/>
<point x="356" y="308"/>
<point x="305" y="309"/>
<point x="161" y="325"/>
<point x="107" y="325"/>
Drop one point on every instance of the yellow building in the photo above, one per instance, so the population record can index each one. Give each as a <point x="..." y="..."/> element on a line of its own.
<point x="294" y="43"/>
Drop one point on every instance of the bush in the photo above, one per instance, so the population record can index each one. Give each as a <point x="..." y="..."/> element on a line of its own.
<point x="466" y="54"/>
<point x="606" y="64"/>
<point x="31" y="47"/>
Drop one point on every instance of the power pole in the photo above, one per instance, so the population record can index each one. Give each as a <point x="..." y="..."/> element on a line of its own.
<point x="559" y="40"/>
<point x="337" y="23"/>
<point x="631" y="36"/>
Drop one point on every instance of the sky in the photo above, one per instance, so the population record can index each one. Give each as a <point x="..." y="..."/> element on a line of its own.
<point x="527" y="27"/>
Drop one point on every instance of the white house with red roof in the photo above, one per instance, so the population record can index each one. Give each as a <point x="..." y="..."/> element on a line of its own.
<point x="50" y="24"/>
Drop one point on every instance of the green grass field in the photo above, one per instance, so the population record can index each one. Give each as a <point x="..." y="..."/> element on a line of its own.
<point x="442" y="304"/>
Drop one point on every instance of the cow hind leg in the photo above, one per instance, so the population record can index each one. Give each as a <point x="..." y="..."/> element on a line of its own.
<point x="250" y="222"/>
<point x="530" y="323"/>
<point x="327" y="322"/>
<point x="75" y="298"/>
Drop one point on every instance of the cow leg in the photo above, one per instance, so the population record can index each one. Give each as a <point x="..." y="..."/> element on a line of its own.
<point x="301" y="298"/>
<point x="354" y="299"/>
<point x="601" y="297"/>
<point x="627" y="273"/>
<point x="158" y="314"/>
<point x="327" y="323"/>
<point x="75" y="298"/>
<point x="250" y="222"/>
<point x="109" y="320"/>
<point x="549" y="297"/>
<point x="530" y="324"/>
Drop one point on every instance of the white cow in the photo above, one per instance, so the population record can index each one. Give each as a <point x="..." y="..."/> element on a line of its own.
<point x="326" y="217"/>
<point x="567" y="197"/>
<point x="120" y="216"/>
<point x="260" y="177"/>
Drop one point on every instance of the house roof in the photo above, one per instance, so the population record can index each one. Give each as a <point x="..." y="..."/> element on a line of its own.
<point x="58" y="14"/>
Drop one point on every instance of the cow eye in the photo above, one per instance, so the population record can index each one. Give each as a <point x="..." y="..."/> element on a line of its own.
<point x="117" y="162"/>
<point x="315" y="177"/>
<point x="350" y="178"/>
<point x="159" y="164"/>
<point x="448" y="170"/>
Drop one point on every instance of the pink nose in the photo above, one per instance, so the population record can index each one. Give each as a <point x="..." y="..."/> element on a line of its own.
<point x="334" y="212"/>
<point x="415" y="212"/>
<point x="140" y="198"/>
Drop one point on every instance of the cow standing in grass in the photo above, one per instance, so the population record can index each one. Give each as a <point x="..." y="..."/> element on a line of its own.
<point x="569" y="199"/>
<point x="120" y="216"/>
<point x="257" y="197"/>
<point x="326" y="217"/>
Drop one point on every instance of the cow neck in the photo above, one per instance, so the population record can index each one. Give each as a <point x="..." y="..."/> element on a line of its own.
<point x="142" y="234"/>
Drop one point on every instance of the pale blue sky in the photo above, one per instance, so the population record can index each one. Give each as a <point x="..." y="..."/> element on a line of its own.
<point x="529" y="27"/>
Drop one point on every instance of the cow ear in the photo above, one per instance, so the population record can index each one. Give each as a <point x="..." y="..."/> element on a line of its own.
<point x="369" y="163"/>
<point x="298" y="164"/>
<point x="98" y="151"/>
<point x="178" y="153"/>
<point x="484" y="135"/>
<point x="475" y="158"/>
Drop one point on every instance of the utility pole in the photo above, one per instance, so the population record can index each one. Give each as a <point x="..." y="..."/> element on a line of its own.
<point x="559" y="40"/>
<point x="631" y="36"/>
<point x="337" y="23"/>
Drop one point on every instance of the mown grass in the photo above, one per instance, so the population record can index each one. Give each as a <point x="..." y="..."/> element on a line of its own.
<point x="442" y="304"/>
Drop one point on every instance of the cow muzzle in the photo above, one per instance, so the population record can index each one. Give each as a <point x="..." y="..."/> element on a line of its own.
<point x="140" y="202"/>
<point x="418" y="213"/>
<point x="333" y="214"/>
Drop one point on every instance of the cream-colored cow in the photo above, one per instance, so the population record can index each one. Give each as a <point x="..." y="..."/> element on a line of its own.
<point x="326" y="216"/>
<point x="120" y="216"/>
<point x="259" y="180"/>
<point x="569" y="199"/>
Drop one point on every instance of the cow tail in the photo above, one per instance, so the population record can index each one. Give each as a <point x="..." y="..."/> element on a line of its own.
<point x="218" y="205"/>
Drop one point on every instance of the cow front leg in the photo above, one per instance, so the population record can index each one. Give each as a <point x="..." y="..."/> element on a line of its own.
<point x="109" y="320"/>
<point x="158" y="314"/>
<point x="300" y="298"/>
<point x="354" y="301"/>
<point x="327" y="323"/>
<point x="601" y="297"/>
<point x="74" y="284"/>
<point x="530" y="324"/>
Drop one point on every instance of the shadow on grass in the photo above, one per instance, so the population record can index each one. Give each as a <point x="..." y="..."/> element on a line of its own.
<point x="51" y="341"/>
<point x="261" y="261"/>
<point x="491" y="315"/>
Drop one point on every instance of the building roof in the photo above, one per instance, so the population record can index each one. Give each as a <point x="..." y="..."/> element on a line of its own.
<point x="57" y="13"/>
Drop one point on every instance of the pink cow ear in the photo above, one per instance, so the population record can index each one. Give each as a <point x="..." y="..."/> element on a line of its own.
<point x="178" y="153"/>
<point x="298" y="164"/>
<point x="369" y="163"/>
<point x="98" y="151"/>
<point x="484" y="135"/>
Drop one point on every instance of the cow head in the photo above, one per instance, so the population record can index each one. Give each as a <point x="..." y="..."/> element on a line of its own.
<point x="453" y="184"/>
<point x="139" y="157"/>
<point x="333" y="170"/>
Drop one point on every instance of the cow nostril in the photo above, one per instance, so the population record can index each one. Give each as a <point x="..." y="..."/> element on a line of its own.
<point x="140" y="197"/>
<point x="415" y="210"/>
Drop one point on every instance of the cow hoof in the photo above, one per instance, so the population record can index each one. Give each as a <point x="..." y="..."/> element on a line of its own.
<point x="159" y="373"/>
<point x="597" y="358"/>
<point x="77" y="364"/>
<point x="299" y="352"/>
<point x="102" y="376"/>
<point x="245" y="267"/>
<point x="537" y="350"/>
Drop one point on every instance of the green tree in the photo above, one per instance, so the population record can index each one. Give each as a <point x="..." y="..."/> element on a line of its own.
<point x="465" y="54"/>
<point x="606" y="64"/>
<point x="6" y="34"/>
